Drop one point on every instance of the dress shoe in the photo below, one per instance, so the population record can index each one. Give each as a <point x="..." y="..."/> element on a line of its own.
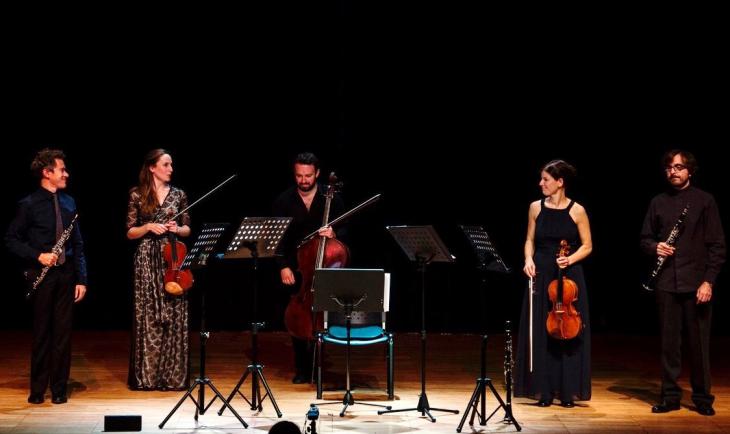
<point x="544" y="402"/>
<point x="35" y="398"/>
<point x="59" y="399"/>
<point x="300" y="379"/>
<point x="664" y="407"/>
<point x="567" y="404"/>
<point x="705" y="410"/>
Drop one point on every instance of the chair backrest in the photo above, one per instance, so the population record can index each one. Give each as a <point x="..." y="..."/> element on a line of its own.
<point x="354" y="283"/>
<point x="359" y="319"/>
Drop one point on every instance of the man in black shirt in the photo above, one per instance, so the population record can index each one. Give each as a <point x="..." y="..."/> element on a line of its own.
<point x="40" y="221"/>
<point x="684" y="284"/>
<point x="305" y="203"/>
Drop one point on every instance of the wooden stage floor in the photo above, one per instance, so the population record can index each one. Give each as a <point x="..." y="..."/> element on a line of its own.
<point x="625" y="384"/>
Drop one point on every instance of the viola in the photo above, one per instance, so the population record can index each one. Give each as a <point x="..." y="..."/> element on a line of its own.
<point x="563" y="321"/>
<point x="320" y="252"/>
<point x="177" y="280"/>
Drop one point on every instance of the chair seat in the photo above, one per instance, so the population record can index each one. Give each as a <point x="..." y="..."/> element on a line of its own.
<point x="358" y="335"/>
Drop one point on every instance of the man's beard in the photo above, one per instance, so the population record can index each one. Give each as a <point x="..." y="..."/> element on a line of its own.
<point x="678" y="183"/>
<point x="306" y="188"/>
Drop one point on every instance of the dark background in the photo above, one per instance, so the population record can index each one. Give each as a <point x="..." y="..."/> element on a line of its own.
<point x="448" y="113"/>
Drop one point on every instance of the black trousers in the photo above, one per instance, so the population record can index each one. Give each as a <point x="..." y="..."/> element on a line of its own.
<point x="303" y="353"/>
<point x="680" y="313"/>
<point x="52" y="321"/>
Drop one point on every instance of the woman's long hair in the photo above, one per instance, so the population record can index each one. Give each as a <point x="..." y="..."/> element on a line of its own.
<point x="146" y="187"/>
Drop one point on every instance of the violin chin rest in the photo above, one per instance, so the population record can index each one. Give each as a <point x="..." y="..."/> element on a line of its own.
<point x="173" y="288"/>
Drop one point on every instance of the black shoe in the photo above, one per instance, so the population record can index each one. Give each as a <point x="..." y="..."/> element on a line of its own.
<point x="567" y="404"/>
<point x="59" y="399"/>
<point x="544" y="403"/>
<point x="300" y="379"/>
<point x="664" y="407"/>
<point x="705" y="410"/>
<point x="35" y="398"/>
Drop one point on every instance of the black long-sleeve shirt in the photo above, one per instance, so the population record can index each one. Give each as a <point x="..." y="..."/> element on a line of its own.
<point x="33" y="230"/>
<point x="304" y="222"/>
<point x="700" y="247"/>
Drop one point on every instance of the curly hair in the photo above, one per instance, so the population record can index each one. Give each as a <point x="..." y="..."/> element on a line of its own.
<point x="45" y="159"/>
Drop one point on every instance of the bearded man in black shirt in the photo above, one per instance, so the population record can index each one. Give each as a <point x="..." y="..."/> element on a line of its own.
<point x="685" y="282"/>
<point x="305" y="202"/>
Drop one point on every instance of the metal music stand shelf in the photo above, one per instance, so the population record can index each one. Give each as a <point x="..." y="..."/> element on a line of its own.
<point x="257" y="237"/>
<point x="481" y="244"/>
<point x="347" y="290"/>
<point x="197" y="258"/>
<point x="423" y="246"/>
<point x="488" y="260"/>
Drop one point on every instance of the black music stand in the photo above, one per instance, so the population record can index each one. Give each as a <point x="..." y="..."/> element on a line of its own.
<point x="346" y="290"/>
<point x="257" y="237"/>
<point x="487" y="260"/>
<point x="197" y="258"/>
<point x="422" y="245"/>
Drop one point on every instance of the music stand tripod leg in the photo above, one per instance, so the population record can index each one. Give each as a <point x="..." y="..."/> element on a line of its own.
<point x="187" y="394"/>
<point x="235" y="390"/>
<point x="479" y="395"/>
<point x="255" y="369"/>
<point x="472" y="405"/>
<point x="423" y="406"/>
<point x="219" y="395"/>
<point x="202" y="381"/>
<point x="268" y="391"/>
<point x="198" y="257"/>
<point x="509" y="418"/>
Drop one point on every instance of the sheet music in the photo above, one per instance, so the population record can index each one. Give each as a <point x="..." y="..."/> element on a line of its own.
<point x="386" y="292"/>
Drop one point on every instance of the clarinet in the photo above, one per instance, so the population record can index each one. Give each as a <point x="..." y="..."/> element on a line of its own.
<point x="508" y="365"/>
<point x="57" y="249"/>
<point x="671" y="240"/>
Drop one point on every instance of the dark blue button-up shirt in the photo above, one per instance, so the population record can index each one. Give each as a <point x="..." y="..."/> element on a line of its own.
<point x="33" y="230"/>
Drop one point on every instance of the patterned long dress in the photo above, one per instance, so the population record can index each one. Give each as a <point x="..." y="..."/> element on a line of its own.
<point x="159" y="355"/>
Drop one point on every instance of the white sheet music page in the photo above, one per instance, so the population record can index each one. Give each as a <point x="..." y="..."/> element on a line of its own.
<point x="386" y="293"/>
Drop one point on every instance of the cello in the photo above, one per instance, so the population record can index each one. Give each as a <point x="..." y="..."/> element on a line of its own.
<point x="319" y="252"/>
<point x="563" y="321"/>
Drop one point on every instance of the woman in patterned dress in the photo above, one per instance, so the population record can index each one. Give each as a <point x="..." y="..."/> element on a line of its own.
<point x="159" y="356"/>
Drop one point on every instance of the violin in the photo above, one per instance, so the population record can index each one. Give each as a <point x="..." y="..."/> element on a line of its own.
<point x="177" y="280"/>
<point x="320" y="252"/>
<point x="563" y="321"/>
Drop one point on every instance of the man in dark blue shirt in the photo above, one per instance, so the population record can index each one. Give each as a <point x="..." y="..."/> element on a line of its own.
<point x="39" y="223"/>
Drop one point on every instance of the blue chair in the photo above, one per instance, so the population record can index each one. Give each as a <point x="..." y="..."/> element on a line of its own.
<point x="366" y="329"/>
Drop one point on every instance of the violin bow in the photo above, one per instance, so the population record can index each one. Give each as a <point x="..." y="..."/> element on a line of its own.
<point x="342" y="217"/>
<point x="203" y="196"/>
<point x="532" y="293"/>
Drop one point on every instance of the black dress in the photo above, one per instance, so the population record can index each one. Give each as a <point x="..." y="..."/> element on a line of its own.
<point x="561" y="369"/>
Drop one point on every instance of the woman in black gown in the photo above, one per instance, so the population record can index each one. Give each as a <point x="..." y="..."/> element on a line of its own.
<point x="561" y="368"/>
